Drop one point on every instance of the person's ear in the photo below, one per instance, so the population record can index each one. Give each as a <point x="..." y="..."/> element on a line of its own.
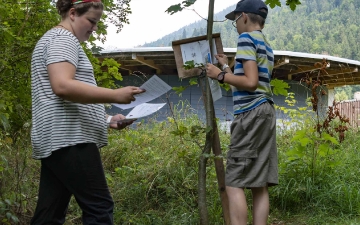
<point x="245" y="17"/>
<point x="72" y="14"/>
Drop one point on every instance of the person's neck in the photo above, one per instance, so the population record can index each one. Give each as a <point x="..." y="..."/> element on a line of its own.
<point x="253" y="27"/>
<point x="65" y="25"/>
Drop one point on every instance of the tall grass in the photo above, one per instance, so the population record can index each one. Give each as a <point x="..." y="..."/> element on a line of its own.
<point x="152" y="175"/>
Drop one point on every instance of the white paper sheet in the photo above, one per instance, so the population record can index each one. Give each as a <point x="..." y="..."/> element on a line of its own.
<point x="198" y="52"/>
<point x="155" y="87"/>
<point x="215" y="89"/>
<point x="143" y="110"/>
<point x="214" y="60"/>
<point x="192" y="52"/>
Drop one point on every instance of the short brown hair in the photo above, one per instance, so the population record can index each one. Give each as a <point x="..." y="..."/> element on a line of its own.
<point x="63" y="6"/>
<point x="257" y="18"/>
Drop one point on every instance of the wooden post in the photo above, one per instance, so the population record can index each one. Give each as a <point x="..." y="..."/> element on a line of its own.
<point x="211" y="121"/>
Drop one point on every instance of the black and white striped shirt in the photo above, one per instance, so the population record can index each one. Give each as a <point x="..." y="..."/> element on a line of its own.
<point x="58" y="123"/>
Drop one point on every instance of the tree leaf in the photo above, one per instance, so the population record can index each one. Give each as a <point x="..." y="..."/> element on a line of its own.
<point x="179" y="90"/>
<point x="273" y="3"/>
<point x="174" y="9"/>
<point x="328" y="137"/>
<point x="193" y="81"/>
<point x="292" y="4"/>
<point x="279" y="87"/>
<point x="323" y="149"/>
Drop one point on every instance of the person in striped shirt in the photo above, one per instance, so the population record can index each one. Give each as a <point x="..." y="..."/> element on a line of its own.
<point x="252" y="157"/>
<point x="69" y="123"/>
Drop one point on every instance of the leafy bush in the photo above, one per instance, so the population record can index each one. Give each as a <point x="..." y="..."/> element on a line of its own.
<point x="152" y="175"/>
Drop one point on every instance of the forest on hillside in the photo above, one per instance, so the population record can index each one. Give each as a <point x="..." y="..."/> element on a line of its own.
<point x="330" y="27"/>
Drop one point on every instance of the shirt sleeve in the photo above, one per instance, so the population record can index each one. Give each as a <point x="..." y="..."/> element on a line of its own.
<point x="62" y="48"/>
<point x="246" y="48"/>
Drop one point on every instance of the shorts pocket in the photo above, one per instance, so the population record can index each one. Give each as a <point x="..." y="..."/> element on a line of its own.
<point x="239" y="163"/>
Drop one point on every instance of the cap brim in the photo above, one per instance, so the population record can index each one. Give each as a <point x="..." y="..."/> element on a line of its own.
<point x="230" y="16"/>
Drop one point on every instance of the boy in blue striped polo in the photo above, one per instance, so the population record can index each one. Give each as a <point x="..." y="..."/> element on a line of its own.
<point x="252" y="157"/>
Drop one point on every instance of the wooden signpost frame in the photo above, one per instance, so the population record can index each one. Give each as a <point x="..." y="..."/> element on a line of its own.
<point x="182" y="73"/>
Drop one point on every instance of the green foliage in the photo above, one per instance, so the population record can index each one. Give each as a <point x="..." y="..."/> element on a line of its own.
<point x="191" y="65"/>
<point x="328" y="27"/>
<point x="106" y="72"/>
<point x="160" y="187"/>
<point x="12" y="168"/>
<point x="179" y="90"/>
<point x="174" y="9"/>
<point x="272" y="3"/>
<point x="5" y="209"/>
<point x="279" y="87"/>
<point x="192" y="81"/>
<point x="346" y="92"/>
<point x="225" y="86"/>
<point x="22" y="23"/>
<point x="341" y="96"/>
<point x="152" y="174"/>
<point x="292" y="4"/>
<point x="311" y="163"/>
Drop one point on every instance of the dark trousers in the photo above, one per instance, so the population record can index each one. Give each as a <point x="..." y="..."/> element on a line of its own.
<point x="78" y="171"/>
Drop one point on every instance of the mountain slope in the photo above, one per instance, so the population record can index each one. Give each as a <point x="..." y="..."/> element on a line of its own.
<point x="317" y="26"/>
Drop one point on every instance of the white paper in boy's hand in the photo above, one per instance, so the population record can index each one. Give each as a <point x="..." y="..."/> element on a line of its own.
<point x="143" y="110"/>
<point x="155" y="87"/>
<point x="215" y="89"/>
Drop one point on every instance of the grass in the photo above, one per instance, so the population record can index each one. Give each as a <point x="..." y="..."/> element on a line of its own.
<point x="152" y="174"/>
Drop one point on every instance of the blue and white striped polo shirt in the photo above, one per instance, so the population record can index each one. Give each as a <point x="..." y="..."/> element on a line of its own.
<point x="253" y="46"/>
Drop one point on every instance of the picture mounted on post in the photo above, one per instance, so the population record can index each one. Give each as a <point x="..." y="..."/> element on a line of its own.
<point x="192" y="54"/>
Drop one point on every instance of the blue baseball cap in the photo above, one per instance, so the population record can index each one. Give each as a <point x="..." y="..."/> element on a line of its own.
<point x="249" y="6"/>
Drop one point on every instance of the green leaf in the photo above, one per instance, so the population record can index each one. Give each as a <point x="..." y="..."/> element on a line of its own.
<point x="193" y="81"/>
<point x="225" y="86"/>
<point x="179" y="90"/>
<point x="323" y="149"/>
<point x="14" y="219"/>
<point x="174" y="9"/>
<point x="280" y="87"/>
<point x="305" y="141"/>
<point x="189" y="64"/>
<point x="299" y="135"/>
<point x="196" y="130"/>
<point x="7" y="201"/>
<point x="188" y="3"/>
<point x="273" y="3"/>
<point x="328" y="137"/>
<point x="292" y="4"/>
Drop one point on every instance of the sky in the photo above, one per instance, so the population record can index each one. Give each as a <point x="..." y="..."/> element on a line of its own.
<point x="149" y="21"/>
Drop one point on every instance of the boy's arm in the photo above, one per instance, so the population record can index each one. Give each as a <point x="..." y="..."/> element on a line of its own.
<point x="246" y="79"/>
<point x="248" y="82"/>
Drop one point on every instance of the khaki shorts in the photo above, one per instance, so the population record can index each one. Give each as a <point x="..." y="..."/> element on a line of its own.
<point x="252" y="158"/>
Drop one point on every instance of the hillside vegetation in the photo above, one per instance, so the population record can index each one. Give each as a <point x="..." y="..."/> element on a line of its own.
<point x="317" y="26"/>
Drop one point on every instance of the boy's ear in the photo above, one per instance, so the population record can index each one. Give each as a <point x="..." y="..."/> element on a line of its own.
<point x="245" y="18"/>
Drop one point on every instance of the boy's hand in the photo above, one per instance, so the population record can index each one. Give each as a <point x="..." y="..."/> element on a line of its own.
<point x="222" y="59"/>
<point x="212" y="71"/>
